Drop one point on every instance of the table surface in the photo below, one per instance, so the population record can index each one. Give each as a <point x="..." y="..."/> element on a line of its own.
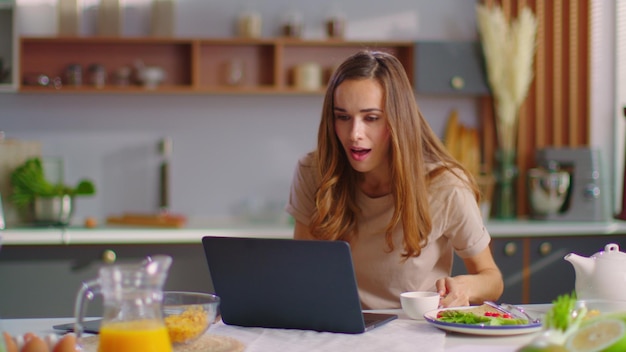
<point x="402" y="334"/>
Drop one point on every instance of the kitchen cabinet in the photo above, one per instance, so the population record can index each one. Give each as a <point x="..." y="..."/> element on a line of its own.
<point x="509" y="255"/>
<point x="43" y="280"/>
<point x="533" y="268"/>
<point x="550" y="274"/>
<point x="8" y="46"/>
<point x="190" y="65"/>
<point x="450" y="68"/>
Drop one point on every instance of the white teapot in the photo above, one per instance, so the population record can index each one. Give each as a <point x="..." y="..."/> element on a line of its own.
<point x="601" y="276"/>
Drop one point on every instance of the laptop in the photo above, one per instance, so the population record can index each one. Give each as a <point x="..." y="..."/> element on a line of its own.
<point x="285" y="283"/>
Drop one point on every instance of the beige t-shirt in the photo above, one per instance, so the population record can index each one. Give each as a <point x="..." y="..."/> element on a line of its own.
<point x="382" y="276"/>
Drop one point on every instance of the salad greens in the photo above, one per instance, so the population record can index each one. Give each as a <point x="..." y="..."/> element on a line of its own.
<point x="460" y="317"/>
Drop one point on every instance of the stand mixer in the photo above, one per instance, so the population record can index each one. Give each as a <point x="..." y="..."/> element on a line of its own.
<point x="583" y="196"/>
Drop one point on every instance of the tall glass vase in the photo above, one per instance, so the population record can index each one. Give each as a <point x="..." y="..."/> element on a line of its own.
<point x="505" y="195"/>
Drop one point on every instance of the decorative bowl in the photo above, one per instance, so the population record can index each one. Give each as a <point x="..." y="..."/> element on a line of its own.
<point x="188" y="315"/>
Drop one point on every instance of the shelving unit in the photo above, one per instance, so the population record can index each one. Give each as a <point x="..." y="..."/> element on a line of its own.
<point x="8" y="46"/>
<point x="192" y="65"/>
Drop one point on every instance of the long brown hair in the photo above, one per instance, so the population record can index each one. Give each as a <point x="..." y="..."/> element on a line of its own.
<point x="413" y="143"/>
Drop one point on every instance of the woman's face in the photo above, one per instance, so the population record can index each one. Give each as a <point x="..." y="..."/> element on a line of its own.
<point x="361" y="124"/>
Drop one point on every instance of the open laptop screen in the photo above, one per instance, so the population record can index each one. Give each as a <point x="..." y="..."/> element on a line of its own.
<point x="284" y="283"/>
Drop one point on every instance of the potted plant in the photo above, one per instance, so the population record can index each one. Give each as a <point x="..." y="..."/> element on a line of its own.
<point x="50" y="203"/>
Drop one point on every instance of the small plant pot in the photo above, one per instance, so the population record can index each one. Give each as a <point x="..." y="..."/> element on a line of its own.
<point x="53" y="210"/>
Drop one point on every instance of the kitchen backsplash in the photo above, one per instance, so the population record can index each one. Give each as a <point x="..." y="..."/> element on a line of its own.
<point x="231" y="154"/>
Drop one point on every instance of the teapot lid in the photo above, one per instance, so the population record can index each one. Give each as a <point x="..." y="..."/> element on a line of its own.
<point x="611" y="252"/>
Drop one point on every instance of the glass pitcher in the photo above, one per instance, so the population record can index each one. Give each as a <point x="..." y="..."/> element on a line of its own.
<point x="132" y="306"/>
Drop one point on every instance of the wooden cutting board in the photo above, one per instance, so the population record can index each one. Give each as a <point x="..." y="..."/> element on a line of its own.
<point x="149" y="220"/>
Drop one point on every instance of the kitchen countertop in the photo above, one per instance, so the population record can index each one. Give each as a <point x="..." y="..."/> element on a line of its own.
<point x="134" y="235"/>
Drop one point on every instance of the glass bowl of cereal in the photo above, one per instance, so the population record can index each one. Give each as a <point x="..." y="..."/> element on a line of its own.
<point x="188" y="315"/>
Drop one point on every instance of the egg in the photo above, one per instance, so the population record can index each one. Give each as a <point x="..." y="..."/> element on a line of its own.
<point x="29" y="335"/>
<point x="35" y="344"/>
<point x="10" y="344"/>
<point x="66" y="344"/>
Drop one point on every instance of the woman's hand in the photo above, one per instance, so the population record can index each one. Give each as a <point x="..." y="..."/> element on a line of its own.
<point x="483" y="282"/>
<point x="453" y="292"/>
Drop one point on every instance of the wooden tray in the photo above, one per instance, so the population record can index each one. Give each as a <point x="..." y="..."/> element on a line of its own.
<point x="148" y="220"/>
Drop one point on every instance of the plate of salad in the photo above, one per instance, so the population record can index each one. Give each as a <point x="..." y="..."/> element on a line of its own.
<point x="479" y="320"/>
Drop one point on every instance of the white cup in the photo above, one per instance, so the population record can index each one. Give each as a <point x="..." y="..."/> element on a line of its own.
<point x="416" y="303"/>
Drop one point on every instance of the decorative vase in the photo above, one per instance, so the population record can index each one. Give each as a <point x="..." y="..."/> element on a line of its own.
<point x="505" y="174"/>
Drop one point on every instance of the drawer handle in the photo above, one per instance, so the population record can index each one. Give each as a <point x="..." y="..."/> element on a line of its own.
<point x="510" y="248"/>
<point x="109" y="256"/>
<point x="457" y="82"/>
<point x="545" y="248"/>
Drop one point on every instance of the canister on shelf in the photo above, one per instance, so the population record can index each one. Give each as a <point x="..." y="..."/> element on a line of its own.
<point x="292" y="24"/>
<point x="97" y="75"/>
<point x="335" y="27"/>
<point x="249" y="25"/>
<point x="122" y="76"/>
<point x="308" y="76"/>
<point x="335" y="23"/>
<point x="74" y="75"/>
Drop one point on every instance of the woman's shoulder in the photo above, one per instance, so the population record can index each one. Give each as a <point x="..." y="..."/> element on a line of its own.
<point x="307" y="169"/>
<point x="308" y="160"/>
<point x="442" y="175"/>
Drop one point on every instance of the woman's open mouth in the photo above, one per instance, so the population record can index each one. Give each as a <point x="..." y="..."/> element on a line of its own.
<point x="359" y="154"/>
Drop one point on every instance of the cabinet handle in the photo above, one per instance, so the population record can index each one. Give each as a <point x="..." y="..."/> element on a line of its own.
<point x="545" y="248"/>
<point x="510" y="248"/>
<point x="457" y="82"/>
<point x="109" y="256"/>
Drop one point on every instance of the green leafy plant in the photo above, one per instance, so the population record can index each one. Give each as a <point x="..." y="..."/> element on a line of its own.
<point x="28" y="181"/>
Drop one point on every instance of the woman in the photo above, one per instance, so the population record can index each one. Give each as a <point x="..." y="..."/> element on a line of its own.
<point x="381" y="180"/>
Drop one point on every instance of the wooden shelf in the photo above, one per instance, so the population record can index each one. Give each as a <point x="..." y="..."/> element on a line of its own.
<point x="192" y="66"/>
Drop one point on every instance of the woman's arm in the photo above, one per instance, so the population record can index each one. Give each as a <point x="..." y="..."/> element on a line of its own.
<point x="482" y="283"/>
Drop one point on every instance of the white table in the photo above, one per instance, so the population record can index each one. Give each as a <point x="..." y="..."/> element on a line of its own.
<point x="402" y="334"/>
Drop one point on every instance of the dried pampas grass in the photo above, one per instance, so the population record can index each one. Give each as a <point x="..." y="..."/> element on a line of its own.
<point x="509" y="49"/>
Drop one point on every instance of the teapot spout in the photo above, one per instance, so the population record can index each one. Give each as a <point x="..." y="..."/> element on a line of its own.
<point x="583" y="266"/>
